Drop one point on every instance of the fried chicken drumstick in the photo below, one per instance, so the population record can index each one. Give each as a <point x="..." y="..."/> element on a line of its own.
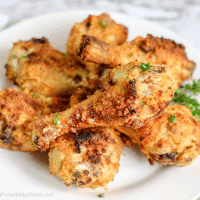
<point x="128" y="96"/>
<point x="86" y="158"/>
<point x="17" y="110"/>
<point x="150" y="49"/>
<point x="168" y="141"/>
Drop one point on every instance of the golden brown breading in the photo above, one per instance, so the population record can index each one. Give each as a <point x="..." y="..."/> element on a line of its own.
<point x="129" y="96"/>
<point x="169" y="143"/>
<point x="101" y="26"/>
<point x="87" y="158"/>
<point x="150" y="49"/>
<point x="17" y="109"/>
<point x="36" y="67"/>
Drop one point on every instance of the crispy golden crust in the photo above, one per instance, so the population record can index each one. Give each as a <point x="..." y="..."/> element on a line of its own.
<point x="87" y="158"/>
<point x="150" y="49"/>
<point x="129" y="96"/>
<point x="167" y="52"/>
<point x="169" y="143"/>
<point x="36" y="67"/>
<point x="17" y="110"/>
<point x="111" y="33"/>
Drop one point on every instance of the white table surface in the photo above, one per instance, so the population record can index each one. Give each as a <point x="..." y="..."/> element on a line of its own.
<point x="180" y="16"/>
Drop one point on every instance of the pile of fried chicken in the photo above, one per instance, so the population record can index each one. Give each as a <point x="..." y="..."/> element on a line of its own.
<point x="84" y="105"/>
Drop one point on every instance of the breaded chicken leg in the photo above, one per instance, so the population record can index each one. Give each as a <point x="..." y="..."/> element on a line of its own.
<point x="17" y="109"/>
<point x="150" y="49"/>
<point x="129" y="96"/>
<point x="36" y="67"/>
<point x="86" y="158"/>
<point x="173" y="138"/>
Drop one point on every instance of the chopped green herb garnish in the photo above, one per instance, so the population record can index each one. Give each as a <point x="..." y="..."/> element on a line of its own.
<point x="130" y="55"/>
<point x="113" y="179"/>
<point x="101" y="195"/>
<point x="34" y="95"/>
<point x="145" y="66"/>
<point x="194" y="87"/>
<point x="23" y="56"/>
<point x="11" y="23"/>
<point x="65" y="54"/>
<point x="56" y="119"/>
<point x="183" y="99"/>
<point x="103" y="23"/>
<point x="172" y="118"/>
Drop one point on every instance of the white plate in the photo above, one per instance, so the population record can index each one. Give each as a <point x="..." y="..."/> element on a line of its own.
<point x="28" y="174"/>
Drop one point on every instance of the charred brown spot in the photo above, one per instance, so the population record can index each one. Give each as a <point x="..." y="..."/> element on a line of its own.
<point x="160" y="70"/>
<point x="31" y="55"/>
<point x="188" y="159"/>
<point x="6" y="136"/>
<point x="84" y="43"/>
<point x="99" y="87"/>
<point x="88" y="180"/>
<point x="42" y="40"/>
<point x="170" y="156"/>
<point x="77" y="174"/>
<point x="132" y="88"/>
<point x="81" y="183"/>
<point x="104" y="150"/>
<point x="35" y="141"/>
<point x="132" y="111"/>
<point x="81" y="137"/>
<point x="77" y="79"/>
<point x="88" y="24"/>
<point x="97" y="161"/>
<point x="86" y="172"/>
<point x="111" y="82"/>
<point x="92" y="157"/>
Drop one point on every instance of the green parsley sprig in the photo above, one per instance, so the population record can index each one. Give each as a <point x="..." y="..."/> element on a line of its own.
<point x="145" y="66"/>
<point x="182" y="98"/>
<point x="172" y="118"/>
<point x="101" y="195"/>
<point x="194" y="87"/>
<point x="66" y="55"/>
<point x="103" y="23"/>
<point x="56" y="119"/>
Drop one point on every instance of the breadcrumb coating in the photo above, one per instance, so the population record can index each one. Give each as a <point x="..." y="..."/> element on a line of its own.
<point x="36" y="67"/>
<point x="17" y="110"/>
<point x="87" y="158"/>
<point x="128" y="96"/>
<point x="167" y="141"/>
<point x="150" y="49"/>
